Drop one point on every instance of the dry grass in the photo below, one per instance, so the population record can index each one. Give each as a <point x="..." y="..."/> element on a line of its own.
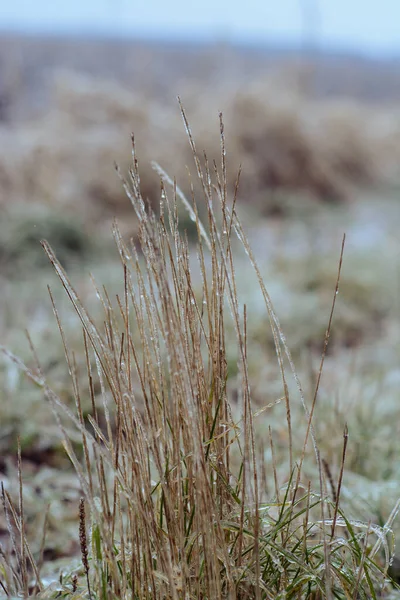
<point x="182" y="498"/>
<point x="287" y="141"/>
<point x="295" y="148"/>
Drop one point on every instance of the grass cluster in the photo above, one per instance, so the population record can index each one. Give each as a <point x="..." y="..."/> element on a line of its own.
<point x="182" y="496"/>
<point x="288" y="141"/>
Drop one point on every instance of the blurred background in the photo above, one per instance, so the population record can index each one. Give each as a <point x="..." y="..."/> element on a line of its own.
<point x="310" y="93"/>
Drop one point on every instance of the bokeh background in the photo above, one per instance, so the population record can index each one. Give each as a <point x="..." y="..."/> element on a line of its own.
<point x="310" y="93"/>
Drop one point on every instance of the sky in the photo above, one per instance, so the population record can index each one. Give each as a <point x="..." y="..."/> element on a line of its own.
<point x="366" y="26"/>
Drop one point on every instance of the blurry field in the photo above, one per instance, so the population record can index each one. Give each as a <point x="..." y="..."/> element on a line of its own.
<point x="318" y="141"/>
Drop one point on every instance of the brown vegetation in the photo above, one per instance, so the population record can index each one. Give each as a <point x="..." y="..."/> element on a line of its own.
<point x="182" y="500"/>
<point x="316" y="165"/>
<point x="286" y="140"/>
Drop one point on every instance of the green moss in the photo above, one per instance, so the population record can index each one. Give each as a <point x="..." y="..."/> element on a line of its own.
<point x="22" y="228"/>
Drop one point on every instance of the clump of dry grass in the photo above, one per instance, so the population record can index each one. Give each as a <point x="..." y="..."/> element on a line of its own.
<point x="177" y="487"/>
<point x="287" y="141"/>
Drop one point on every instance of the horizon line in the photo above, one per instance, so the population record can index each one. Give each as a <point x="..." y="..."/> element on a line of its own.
<point x="257" y="43"/>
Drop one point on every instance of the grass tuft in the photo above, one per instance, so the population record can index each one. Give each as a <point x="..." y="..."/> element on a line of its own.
<point x="176" y="484"/>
